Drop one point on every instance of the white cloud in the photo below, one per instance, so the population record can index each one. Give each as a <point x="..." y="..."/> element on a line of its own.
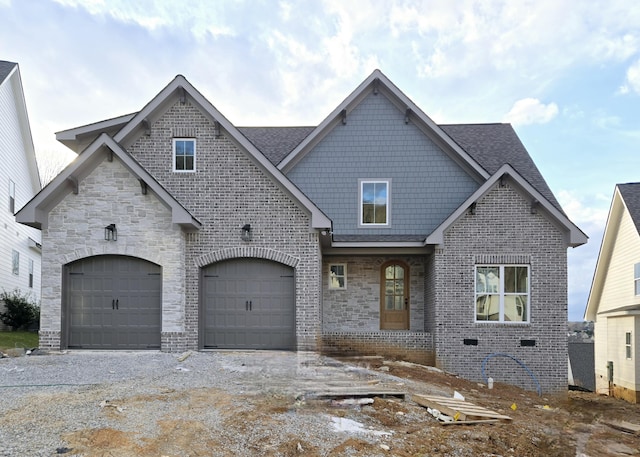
<point x="633" y="79"/>
<point x="531" y="111"/>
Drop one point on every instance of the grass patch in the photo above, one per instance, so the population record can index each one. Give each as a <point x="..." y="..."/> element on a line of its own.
<point x="18" y="340"/>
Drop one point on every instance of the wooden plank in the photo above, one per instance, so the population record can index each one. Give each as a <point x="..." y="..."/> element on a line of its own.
<point x="461" y="410"/>
<point x="482" y="421"/>
<point x="624" y="426"/>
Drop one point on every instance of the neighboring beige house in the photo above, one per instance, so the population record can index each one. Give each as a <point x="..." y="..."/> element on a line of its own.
<point x="19" y="182"/>
<point x="614" y="301"/>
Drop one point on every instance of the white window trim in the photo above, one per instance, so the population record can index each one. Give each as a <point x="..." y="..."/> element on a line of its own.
<point x="15" y="262"/>
<point x="195" y="154"/>
<point x="361" y="183"/>
<point x="501" y="295"/>
<point x="344" y="269"/>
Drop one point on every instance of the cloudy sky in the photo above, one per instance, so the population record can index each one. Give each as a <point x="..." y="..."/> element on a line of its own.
<point x="565" y="73"/>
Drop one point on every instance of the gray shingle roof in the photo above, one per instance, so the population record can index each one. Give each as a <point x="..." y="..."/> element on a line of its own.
<point x="491" y="145"/>
<point x="5" y="69"/>
<point x="631" y="195"/>
<point x="275" y="142"/>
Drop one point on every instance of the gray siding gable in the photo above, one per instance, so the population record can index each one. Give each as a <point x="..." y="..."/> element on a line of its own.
<point x="426" y="183"/>
<point x="630" y="193"/>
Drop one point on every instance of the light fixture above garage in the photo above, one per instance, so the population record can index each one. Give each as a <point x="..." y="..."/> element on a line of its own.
<point x="111" y="232"/>
<point x="246" y="232"/>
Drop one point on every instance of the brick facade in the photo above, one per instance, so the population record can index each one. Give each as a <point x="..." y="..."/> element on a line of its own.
<point x="227" y="191"/>
<point x="503" y="230"/>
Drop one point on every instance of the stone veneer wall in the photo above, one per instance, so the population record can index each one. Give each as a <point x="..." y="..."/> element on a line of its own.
<point x="110" y="194"/>
<point x="227" y="191"/>
<point x="503" y="230"/>
<point x="351" y="316"/>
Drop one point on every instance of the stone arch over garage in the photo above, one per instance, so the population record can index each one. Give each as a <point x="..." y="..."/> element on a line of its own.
<point x="129" y="251"/>
<point x="247" y="252"/>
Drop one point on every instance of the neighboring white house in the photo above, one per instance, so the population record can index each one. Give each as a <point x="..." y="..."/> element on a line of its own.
<point x="614" y="301"/>
<point x="20" y="250"/>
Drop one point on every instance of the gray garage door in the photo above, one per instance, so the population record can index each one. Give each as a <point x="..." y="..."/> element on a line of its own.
<point x="113" y="302"/>
<point x="248" y="304"/>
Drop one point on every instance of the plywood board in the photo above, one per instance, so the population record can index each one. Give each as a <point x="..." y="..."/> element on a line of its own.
<point x="458" y="409"/>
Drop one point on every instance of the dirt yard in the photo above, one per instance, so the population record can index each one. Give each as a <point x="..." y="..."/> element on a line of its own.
<point x="258" y="421"/>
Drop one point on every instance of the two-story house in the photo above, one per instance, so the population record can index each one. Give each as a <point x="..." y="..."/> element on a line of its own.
<point x="19" y="182"/>
<point x="376" y="232"/>
<point x="614" y="300"/>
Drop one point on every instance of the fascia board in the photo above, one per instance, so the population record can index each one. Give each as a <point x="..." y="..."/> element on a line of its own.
<point x="318" y="219"/>
<point x="375" y="244"/>
<point x="69" y="137"/>
<point x="25" y="128"/>
<point x="401" y="100"/>
<point x="611" y="227"/>
<point x="576" y="236"/>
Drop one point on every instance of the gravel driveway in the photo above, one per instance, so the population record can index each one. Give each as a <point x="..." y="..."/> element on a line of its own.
<point x="84" y="402"/>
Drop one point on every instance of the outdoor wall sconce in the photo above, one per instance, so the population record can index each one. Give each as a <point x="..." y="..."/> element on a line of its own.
<point x="246" y="232"/>
<point x="111" y="233"/>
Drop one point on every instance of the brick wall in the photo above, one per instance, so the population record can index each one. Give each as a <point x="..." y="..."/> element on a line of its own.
<point x="227" y="191"/>
<point x="503" y="230"/>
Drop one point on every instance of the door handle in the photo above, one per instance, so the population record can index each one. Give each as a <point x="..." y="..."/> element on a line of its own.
<point x="113" y="304"/>
<point x="117" y="300"/>
<point x="250" y="306"/>
<point x="246" y="305"/>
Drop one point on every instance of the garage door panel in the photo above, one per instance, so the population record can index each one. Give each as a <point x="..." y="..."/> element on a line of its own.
<point x="114" y="302"/>
<point x="248" y="304"/>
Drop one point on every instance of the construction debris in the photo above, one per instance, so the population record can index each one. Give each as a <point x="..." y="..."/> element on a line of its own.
<point x="455" y="411"/>
<point x="624" y="426"/>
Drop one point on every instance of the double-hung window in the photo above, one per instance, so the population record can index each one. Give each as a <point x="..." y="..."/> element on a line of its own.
<point x="184" y="154"/>
<point x="636" y="278"/>
<point x="338" y="276"/>
<point x="627" y="345"/>
<point x="502" y="293"/>
<point x="374" y="202"/>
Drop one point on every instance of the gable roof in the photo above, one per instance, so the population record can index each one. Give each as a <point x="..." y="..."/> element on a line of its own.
<point x="574" y="236"/>
<point x="626" y="197"/>
<point x="134" y="125"/>
<point x="5" y="69"/>
<point x="35" y="212"/>
<point x="493" y="145"/>
<point x="377" y="82"/>
<point x="10" y="74"/>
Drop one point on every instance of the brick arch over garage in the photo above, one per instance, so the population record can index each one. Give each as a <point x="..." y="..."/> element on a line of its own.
<point x="247" y="252"/>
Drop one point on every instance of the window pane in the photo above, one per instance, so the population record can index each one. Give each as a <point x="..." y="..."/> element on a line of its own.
<point x="367" y="214"/>
<point x="389" y="289"/>
<point x="189" y="163"/>
<point x="487" y="308"/>
<point x="636" y="271"/>
<point x="515" y="308"/>
<point x="637" y="284"/>
<point x="399" y="302"/>
<point x="488" y="279"/>
<point x="399" y="271"/>
<point x="389" y="302"/>
<point x="381" y="214"/>
<point x="515" y="280"/>
<point x="188" y="147"/>
<point x="628" y="338"/>
<point x="368" y="193"/>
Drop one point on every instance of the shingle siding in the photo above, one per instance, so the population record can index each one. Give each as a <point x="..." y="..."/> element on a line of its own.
<point x="426" y="185"/>
<point x="504" y="230"/>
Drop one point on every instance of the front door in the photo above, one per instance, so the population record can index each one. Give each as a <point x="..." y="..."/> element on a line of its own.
<point x="394" y="296"/>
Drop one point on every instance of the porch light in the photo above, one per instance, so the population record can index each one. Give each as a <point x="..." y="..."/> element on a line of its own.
<point x="246" y="232"/>
<point x="111" y="233"/>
